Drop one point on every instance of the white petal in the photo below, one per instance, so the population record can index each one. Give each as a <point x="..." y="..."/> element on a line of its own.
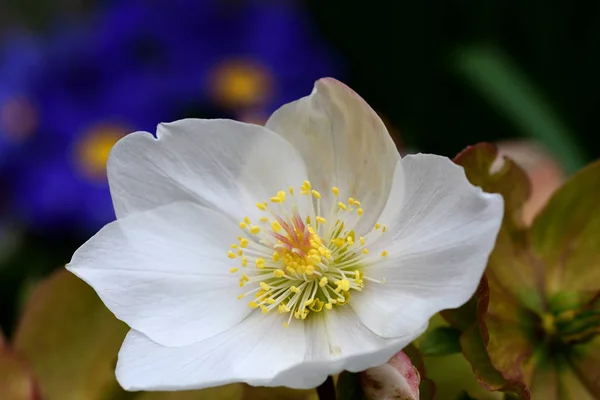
<point x="165" y="272"/>
<point x="438" y="246"/>
<point x="254" y="351"/>
<point x="338" y="341"/>
<point x="261" y="352"/>
<point x="344" y="143"/>
<point x="221" y="164"/>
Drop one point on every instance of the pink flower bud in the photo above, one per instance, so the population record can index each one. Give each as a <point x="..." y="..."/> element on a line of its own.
<point x="396" y="380"/>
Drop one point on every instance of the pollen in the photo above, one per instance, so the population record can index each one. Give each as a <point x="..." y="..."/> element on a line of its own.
<point x="307" y="256"/>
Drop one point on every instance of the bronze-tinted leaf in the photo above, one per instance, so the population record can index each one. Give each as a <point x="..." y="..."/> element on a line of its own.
<point x="565" y="236"/>
<point x="16" y="381"/>
<point x="70" y="339"/>
<point x="510" y="263"/>
<point x="489" y="377"/>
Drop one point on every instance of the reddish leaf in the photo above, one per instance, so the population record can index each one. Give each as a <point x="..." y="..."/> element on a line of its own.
<point x="16" y="381"/>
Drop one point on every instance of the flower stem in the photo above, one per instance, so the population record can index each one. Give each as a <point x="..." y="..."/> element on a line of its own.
<point x="326" y="390"/>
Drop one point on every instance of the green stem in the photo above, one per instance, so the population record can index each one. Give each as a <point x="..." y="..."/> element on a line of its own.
<point x="326" y="390"/>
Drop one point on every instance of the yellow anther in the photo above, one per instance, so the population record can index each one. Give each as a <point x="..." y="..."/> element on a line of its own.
<point x="383" y="228"/>
<point x="245" y="278"/>
<point x="338" y="242"/>
<point x="252" y="304"/>
<point x="362" y="241"/>
<point x="265" y="286"/>
<point x="350" y="240"/>
<point x="233" y="270"/>
<point x="346" y="295"/>
<point x="336" y="191"/>
<point x="286" y="325"/>
<point x="351" y="201"/>
<point x="291" y="190"/>
<point x="240" y="252"/>
<point x="275" y="199"/>
<point x="261" y="206"/>
<point x="358" y="276"/>
<point x="264" y="309"/>
<point x="360" y="212"/>
<point x="316" y="194"/>
<point x="329" y="306"/>
<point x="315" y="259"/>
<point x="270" y="301"/>
<point x="243" y="243"/>
<point x="276" y="256"/>
<point x="321" y="221"/>
<point x="365" y="251"/>
<point x="247" y="220"/>
<point x="234" y="246"/>
<point x="276" y="226"/>
<point x="306" y="185"/>
<point x="308" y="302"/>
<point x="384" y="253"/>
<point x="244" y="261"/>
<point x="260" y="262"/>
<point x="294" y="289"/>
<point x="263" y="219"/>
<point x="323" y="281"/>
<point x="317" y="305"/>
<point x="377" y="226"/>
<point x="342" y="206"/>
<point x="343" y="284"/>
<point x="255" y="230"/>
<point x="231" y="254"/>
<point x="241" y="296"/>
<point x="281" y="196"/>
<point x="243" y="225"/>
<point x="278" y="273"/>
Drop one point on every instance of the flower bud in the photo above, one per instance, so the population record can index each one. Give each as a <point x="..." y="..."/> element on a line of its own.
<point x="398" y="379"/>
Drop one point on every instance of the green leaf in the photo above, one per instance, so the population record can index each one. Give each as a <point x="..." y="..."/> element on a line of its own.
<point x="565" y="236"/>
<point x="440" y="342"/>
<point x="349" y="387"/>
<point x="504" y="85"/>
<point x="16" y="381"/>
<point x="70" y="339"/>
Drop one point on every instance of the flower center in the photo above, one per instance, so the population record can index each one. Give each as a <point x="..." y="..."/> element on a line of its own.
<point x="303" y="265"/>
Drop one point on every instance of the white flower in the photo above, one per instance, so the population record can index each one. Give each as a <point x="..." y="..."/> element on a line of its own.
<point x="341" y="250"/>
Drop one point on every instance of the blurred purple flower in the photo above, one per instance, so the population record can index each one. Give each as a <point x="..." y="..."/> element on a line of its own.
<point x="137" y="63"/>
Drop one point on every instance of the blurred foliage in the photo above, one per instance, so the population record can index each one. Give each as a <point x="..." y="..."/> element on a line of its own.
<point x="443" y="74"/>
<point x="533" y="327"/>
